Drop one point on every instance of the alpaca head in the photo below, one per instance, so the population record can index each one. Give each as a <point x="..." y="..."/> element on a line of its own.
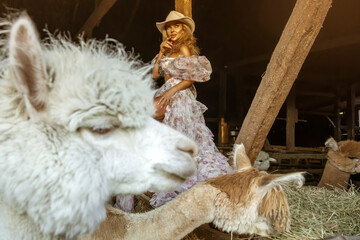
<point x="254" y="198"/>
<point x="344" y="155"/>
<point x="76" y="127"/>
<point x="262" y="161"/>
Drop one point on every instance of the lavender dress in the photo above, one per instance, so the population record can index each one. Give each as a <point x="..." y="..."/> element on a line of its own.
<point x="185" y="114"/>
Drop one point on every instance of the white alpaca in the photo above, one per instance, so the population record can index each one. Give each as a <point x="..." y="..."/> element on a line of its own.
<point x="262" y="161"/>
<point x="75" y="129"/>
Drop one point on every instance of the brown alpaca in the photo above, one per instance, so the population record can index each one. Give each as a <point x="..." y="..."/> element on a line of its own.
<point x="248" y="201"/>
<point x="343" y="160"/>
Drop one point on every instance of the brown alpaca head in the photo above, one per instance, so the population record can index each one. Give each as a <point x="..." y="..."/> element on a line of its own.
<point x="253" y="198"/>
<point x="344" y="155"/>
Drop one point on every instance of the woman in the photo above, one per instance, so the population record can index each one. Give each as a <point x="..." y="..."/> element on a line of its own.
<point x="178" y="62"/>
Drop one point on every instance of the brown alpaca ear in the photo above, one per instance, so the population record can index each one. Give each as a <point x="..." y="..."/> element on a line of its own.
<point x="271" y="181"/>
<point x="241" y="160"/>
<point x="27" y="65"/>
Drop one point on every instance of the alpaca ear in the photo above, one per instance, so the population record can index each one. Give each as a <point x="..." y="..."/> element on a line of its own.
<point x="272" y="159"/>
<point x="27" y="65"/>
<point x="331" y="143"/>
<point x="273" y="180"/>
<point x="241" y="160"/>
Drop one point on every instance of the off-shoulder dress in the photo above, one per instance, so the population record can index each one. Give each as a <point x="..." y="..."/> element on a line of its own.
<point x="185" y="114"/>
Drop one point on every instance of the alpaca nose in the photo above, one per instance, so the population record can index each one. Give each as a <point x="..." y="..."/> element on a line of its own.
<point x="183" y="165"/>
<point x="187" y="145"/>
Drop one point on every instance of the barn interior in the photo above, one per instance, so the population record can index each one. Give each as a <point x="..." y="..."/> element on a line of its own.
<point x="239" y="37"/>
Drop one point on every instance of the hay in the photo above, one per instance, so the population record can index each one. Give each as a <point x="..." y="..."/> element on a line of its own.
<point x="318" y="213"/>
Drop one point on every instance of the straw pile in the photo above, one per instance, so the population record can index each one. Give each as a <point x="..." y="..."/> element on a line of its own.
<point x="318" y="213"/>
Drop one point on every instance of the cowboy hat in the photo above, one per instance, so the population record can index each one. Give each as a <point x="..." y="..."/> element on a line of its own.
<point x="176" y="16"/>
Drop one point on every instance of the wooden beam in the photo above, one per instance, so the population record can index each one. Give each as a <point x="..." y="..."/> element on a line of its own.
<point x="291" y="118"/>
<point x="316" y="113"/>
<point x="289" y="55"/>
<point x="337" y="42"/>
<point x="96" y="16"/>
<point x="76" y="8"/>
<point x="97" y="3"/>
<point x="328" y="44"/>
<point x="184" y="6"/>
<point x="337" y="117"/>
<point x="325" y="45"/>
<point x="222" y="93"/>
<point x="315" y="94"/>
<point x="223" y="127"/>
<point x="251" y="60"/>
<point x="131" y="18"/>
<point x="350" y="112"/>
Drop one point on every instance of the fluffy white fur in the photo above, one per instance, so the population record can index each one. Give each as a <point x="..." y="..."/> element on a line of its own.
<point x="75" y="129"/>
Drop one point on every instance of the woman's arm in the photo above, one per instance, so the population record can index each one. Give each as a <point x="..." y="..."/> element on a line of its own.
<point x="164" y="46"/>
<point x="166" y="96"/>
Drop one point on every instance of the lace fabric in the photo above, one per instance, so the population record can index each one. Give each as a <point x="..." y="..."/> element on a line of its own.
<point x="195" y="68"/>
<point x="185" y="114"/>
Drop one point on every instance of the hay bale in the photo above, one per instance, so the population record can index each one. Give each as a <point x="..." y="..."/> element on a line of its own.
<point x="318" y="213"/>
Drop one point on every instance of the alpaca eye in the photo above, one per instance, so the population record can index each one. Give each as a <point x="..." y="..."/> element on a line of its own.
<point x="101" y="130"/>
<point x="352" y="158"/>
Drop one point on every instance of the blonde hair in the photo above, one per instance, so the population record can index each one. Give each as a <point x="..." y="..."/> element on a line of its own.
<point x="188" y="39"/>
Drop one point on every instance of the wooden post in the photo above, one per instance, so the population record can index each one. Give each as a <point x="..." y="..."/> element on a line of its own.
<point x="222" y="93"/>
<point x="184" y="6"/>
<point x="288" y="57"/>
<point x="291" y="119"/>
<point x="76" y="8"/>
<point x="96" y="17"/>
<point x="350" y="112"/>
<point x="131" y="18"/>
<point x="223" y="135"/>
<point x="337" y="117"/>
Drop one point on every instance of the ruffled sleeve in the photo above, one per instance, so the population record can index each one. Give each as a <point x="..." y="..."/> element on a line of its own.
<point x="161" y="71"/>
<point x="195" y="68"/>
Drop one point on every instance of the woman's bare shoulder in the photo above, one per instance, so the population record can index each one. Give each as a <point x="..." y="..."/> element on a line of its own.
<point x="184" y="50"/>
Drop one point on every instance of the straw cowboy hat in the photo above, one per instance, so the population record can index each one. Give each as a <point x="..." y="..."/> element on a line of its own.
<point x="176" y="16"/>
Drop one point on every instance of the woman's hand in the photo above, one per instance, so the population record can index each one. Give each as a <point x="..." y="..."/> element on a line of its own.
<point x="165" y="98"/>
<point x="166" y="45"/>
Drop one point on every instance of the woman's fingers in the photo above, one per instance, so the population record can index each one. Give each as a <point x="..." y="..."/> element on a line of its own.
<point x="163" y="102"/>
<point x="166" y="44"/>
<point x="160" y="102"/>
